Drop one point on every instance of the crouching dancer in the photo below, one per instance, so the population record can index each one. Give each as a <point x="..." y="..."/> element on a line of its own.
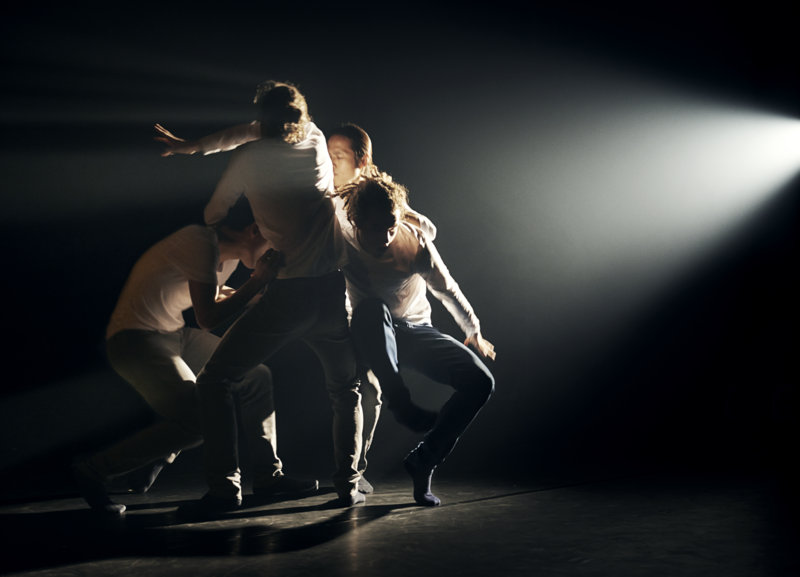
<point x="150" y="346"/>
<point x="390" y="266"/>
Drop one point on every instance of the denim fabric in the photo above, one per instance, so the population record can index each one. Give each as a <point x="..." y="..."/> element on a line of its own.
<point x="386" y="345"/>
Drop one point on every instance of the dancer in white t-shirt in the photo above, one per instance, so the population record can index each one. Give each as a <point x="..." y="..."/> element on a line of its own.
<point x="151" y="347"/>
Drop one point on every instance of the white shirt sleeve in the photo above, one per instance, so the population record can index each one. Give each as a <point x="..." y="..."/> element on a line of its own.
<point x="446" y="289"/>
<point x="423" y="223"/>
<point x="229" y="189"/>
<point x="229" y="138"/>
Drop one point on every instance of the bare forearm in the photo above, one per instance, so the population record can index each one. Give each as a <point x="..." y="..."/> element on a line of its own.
<point x="228" y="307"/>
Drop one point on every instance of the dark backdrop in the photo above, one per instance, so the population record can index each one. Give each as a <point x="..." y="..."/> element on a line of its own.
<point x="454" y="100"/>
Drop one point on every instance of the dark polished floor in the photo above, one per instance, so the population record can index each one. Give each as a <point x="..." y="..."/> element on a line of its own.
<point x="658" y="523"/>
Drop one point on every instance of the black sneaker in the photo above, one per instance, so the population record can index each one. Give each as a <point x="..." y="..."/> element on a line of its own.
<point x="93" y="490"/>
<point x="284" y="486"/>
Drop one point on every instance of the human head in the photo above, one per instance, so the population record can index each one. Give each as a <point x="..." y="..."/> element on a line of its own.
<point x="283" y="111"/>
<point x="350" y="149"/>
<point x="376" y="205"/>
<point x="240" y="232"/>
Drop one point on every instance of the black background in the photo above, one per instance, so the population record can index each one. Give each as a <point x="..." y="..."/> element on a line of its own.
<point x="707" y="377"/>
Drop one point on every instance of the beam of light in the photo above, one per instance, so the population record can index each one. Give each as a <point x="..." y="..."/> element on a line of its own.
<point x="608" y="188"/>
<point x="653" y="191"/>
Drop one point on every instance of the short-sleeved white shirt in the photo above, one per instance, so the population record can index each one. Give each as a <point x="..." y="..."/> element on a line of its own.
<point x="157" y="290"/>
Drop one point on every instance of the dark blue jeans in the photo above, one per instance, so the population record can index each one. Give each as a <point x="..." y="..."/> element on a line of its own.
<point x="385" y="345"/>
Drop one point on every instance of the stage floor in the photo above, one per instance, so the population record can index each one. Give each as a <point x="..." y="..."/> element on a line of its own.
<point x="650" y="525"/>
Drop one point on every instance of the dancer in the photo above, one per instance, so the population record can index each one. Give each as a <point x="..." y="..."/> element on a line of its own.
<point x="150" y="346"/>
<point x="287" y="176"/>
<point x="390" y="267"/>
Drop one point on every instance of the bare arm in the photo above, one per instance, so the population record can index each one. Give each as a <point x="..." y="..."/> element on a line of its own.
<point x="211" y="311"/>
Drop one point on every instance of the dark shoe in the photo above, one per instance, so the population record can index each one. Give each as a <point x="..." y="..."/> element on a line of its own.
<point x="93" y="489"/>
<point x="350" y="500"/>
<point x="284" y="486"/>
<point x="141" y="480"/>
<point x="365" y="486"/>
<point x="208" y="508"/>
<point x="421" y="472"/>
<point x="414" y="417"/>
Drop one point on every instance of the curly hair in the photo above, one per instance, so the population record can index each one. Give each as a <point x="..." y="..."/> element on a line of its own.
<point x="283" y="111"/>
<point x="373" y="194"/>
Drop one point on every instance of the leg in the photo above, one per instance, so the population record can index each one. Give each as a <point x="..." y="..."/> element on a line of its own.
<point x="275" y="320"/>
<point x="371" y="410"/>
<point x="152" y="363"/>
<point x="330" y="340"/>
<point x="254" y="397"/>
<point x="445" y="360"/>
<point x="376" y="344"/>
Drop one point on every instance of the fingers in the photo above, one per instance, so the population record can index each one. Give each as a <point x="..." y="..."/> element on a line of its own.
<point x="162" y="130"/>
<point x="482" y="346"/>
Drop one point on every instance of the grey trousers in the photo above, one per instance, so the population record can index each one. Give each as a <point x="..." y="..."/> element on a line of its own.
<point x="161" y="367"/>
<point x="308" y="309"/>
<point x="371" y="402"/>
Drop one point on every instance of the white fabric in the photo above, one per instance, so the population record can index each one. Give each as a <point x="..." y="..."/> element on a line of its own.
<point x="402" y="275"/>
<point x="157" y="290"/>
<point x="229" y="138"/>
<point x="287" y="186"/>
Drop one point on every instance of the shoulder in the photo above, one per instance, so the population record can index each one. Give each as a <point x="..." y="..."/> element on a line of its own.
<point x="198" y="232"/>
<point x="193" y="238"/>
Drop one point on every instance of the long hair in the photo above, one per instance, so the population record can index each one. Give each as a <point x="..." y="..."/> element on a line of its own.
<point x="283" y="111"/>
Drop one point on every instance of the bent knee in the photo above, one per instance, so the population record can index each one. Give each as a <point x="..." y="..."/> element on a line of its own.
<point x="482" y="385"/>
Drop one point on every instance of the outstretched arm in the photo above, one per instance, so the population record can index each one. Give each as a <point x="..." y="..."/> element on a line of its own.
<point x="212" y="310"/>
<point x="224" y="140"/>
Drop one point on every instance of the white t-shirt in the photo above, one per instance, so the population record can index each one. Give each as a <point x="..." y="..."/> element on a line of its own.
<point x="287" y="186"/>
<point x="157" y="290"/>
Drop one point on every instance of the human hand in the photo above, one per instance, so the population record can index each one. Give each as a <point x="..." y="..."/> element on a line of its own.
<point x="481" y="345"/>
<point x="225" y="292"/>
<point x="268" y="264"/>
<point x="175" y="144"/>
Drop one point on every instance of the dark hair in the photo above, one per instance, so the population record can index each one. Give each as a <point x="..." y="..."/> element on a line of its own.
<point x="375" y="195"/>
<point x="360" y="141"/>
<point x="239" y="216"/>
<point x="283" y="111"/>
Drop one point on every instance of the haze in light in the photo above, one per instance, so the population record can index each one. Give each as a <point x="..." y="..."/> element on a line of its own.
<point x="607" y="187"/>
